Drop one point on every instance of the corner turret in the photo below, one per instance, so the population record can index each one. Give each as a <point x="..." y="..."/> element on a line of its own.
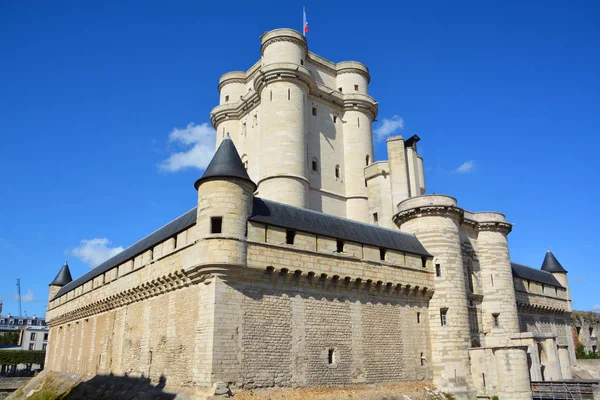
<point x="225" y="194"/>
<point x="552" y="265"/>
<point x="62" y="278"/>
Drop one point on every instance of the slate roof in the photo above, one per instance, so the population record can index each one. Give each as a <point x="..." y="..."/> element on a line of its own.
<point x="551" y="264"/>
<point x="225" y="163"/>
<point x="171" y="229"/>
<point x="532" y="274"/>
<point x="301" y="219"/>
<point x="271" y="213"/>
<point x="63" y="277"/>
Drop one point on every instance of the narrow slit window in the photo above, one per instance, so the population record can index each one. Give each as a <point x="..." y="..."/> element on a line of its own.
<point x="290" y="235"/>
<point x="382" y="254"/>
<point x="492" y="279"/>
<point x="227" y="98"/>
<point x="367" y="159"/>
<point x="334" y="119"/>
<point x="244" y="128"/>
<point x="423" y="261"/>
<point x="301" y="62"/>
<point x="496" y="320"/>
<point x="271" y="95"/>
<point x="337" y="172"/>
<point x="216" y="224"/>
<point x="443" y="316"/>
<point x="340" y="246"/>
<point x="438" y="270"/>
<point x="422" y="360"/>
<point x="289" y="94"/>
<point x="358" y="122"/>
<point x="314" y="111"/>
<point x="375" y="219"/>
<point x="331" y="356"/>
<point x="419" y="319"/>
<point x="315" y="164"/>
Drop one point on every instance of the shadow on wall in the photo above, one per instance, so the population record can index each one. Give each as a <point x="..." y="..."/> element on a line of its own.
<point x="119" y="388"/>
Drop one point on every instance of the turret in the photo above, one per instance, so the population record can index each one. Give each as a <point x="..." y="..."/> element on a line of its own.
<point x="359" y="112"/>
<point x="552" y="265"/>
<point x="224" y="205"/>
<point x="283" y="86"/>
<point x="62" y="278"/>
<point x="435" y="220"/>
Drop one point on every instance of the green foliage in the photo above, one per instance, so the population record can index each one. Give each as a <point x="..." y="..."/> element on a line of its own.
<point x="448" y="396"/>
<point x="12" y="357"/>
<point x="9" y="338"/>
<point x="495" y="398"/>
<point x="582" y="355"/>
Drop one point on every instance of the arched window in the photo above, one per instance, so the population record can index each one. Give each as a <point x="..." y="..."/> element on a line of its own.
<point x="315" y="164"/>
<point x="367" y="159"/>
<point x="338" y="173"/>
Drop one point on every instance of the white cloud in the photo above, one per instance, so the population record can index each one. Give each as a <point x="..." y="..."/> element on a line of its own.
<point x="201" y="138"/>
<point x="95" y="251"/>
<point x="28" y="297"/>
<point x="465" y="168"/>
<point x="388" y="126"/>
<point x="596" y="307"/>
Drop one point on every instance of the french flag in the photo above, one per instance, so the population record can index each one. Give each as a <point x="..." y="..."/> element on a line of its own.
<point x="305" y="22"/>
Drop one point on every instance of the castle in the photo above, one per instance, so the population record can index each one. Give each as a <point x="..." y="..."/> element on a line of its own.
<point x="306" y="263"/>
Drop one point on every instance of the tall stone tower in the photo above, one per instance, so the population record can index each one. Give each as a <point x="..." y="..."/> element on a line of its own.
<point x="302" y="125"/>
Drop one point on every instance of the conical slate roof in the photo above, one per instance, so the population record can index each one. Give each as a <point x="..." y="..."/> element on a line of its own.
<point x="225" y="163"/>
<point x="63" y="277"/>
<point x="551" y="264"/>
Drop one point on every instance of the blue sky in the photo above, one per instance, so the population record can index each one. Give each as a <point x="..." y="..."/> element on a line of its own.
<point x="505" y="96"/>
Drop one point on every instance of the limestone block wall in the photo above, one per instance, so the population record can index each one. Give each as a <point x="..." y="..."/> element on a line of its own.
<point x="317" y="335"/>
<point x="162" y="335"/>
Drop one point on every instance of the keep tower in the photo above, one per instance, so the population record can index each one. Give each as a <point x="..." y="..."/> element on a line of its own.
<point x="302" y="125"/>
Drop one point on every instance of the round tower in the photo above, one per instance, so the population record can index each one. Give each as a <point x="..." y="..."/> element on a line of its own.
<point x="224" y="205"/>
<point x="435" y="220"/>
<point x="232" y="87"/>
<point x="359" y="112"/>
<point x="62" y="278"/>
<point x="552" y="265"/>
<point x="499" y="304"/>
<point x="283" y="85"/>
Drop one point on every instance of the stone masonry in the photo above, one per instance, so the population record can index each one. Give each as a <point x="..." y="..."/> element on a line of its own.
<point x="307" y="263"/>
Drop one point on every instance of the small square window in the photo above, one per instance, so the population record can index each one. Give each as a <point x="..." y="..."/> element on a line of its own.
<point x="227" y="98"/>
<point x="443" y="316"/>
<point x="340" y="246"/>
<point x="356" y="88"/>
<point x="340" y="89"/>
<point x="216" y="224"/>
<point x="290" y="235"/>
<point x="314" y="111"/>
<point x="45" y="336"/>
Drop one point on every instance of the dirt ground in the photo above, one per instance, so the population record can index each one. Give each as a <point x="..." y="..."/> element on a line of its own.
<point x="400" y="391"/>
